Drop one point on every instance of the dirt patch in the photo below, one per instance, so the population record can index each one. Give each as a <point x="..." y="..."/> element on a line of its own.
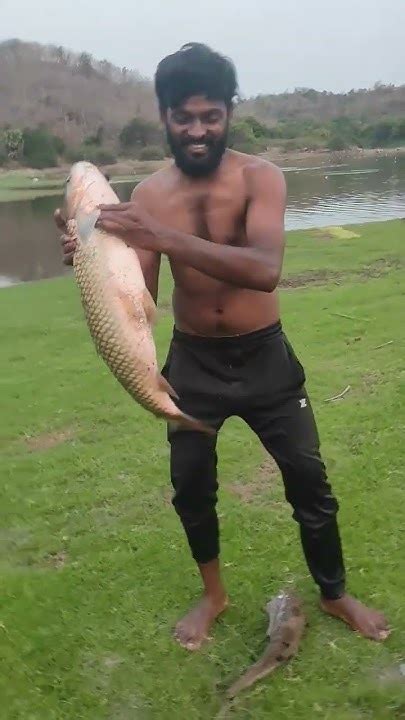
<point x="315" y="277"/>
<point x="56" y="560"/>
<point x="255" y="488"/>
<point x="377" y="269"/>
<point x="381" y="267"/>
<point x="46" y="441"/>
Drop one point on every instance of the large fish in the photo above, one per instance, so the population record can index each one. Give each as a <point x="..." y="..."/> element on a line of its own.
<point x="286" y="625"/>
<point x="118" y="307"/>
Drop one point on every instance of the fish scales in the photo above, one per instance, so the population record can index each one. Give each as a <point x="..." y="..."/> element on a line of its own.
<point x="118" y="308"/>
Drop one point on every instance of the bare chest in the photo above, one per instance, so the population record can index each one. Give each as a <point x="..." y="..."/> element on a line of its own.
<point x="216" y="217"/>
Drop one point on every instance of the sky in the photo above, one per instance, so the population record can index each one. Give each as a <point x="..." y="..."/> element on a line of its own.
<point x="276" y="46"/>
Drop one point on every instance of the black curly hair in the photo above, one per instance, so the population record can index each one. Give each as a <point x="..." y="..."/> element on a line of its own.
<point x="195" y="69"/>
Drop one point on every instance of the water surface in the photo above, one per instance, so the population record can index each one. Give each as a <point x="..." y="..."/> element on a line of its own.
<point x="318" y="195"/>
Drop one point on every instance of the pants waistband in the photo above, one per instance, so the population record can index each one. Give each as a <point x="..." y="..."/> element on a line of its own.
<point x="241" y="341"/>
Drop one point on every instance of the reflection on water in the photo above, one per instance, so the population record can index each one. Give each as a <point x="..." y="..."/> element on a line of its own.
<point x="361" y="191"/>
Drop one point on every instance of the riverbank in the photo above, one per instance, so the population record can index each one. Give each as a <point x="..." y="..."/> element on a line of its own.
<point x="28" y="183"/>
<point x="91" y="547"/>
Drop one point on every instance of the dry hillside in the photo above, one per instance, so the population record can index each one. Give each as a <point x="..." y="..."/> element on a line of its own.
<point x="73" y="95"/>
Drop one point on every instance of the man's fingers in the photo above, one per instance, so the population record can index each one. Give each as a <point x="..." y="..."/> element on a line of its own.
<point x="112" y="227"/>
<point x="68" y="247"/>
<point x="68" y="259"/>
<point x="59" y="219"/>
<point x="116" y="206"/>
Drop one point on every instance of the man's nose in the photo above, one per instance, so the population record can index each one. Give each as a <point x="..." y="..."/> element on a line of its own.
<point x="196" y="130"/>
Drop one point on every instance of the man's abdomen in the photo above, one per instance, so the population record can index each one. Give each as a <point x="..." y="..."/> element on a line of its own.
<point x="228" y="311"/>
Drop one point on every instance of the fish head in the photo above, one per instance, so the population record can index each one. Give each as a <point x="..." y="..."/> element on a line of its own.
<point x="83" y="185"/>
<point x="85" y="189"/>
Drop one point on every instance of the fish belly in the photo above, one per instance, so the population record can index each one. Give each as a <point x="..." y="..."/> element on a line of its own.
<point x="112" y="292"/>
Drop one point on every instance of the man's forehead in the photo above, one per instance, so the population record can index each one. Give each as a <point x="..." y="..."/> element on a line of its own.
<point x="200" y="103"/>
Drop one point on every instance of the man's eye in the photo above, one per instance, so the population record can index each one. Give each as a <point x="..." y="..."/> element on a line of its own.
<point x="181" y="119"/>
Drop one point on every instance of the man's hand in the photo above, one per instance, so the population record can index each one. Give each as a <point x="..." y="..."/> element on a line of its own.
<point x="67" y="240"/>
<point x="132" y="224"/>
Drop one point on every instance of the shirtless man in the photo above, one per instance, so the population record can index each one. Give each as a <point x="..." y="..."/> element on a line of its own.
<point x="218" y="215"/>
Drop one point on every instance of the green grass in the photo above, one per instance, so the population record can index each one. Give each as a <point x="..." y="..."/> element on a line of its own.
<point x="19" y="185"/>
<point x="94" y="566"/>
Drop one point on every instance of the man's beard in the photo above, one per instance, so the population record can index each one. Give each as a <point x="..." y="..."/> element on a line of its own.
<point x="197" y="167"/>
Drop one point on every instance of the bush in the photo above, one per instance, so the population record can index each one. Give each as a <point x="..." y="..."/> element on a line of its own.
<point x="39" y="148"/>
<point x="138" y="134"/>
<point x="242" y="138"/>
<point x="3" y="156"/>
<point x="337" y="142"/>
<point x="73" y="155"/>
<point x="290" y="145"/>
<point x="152" y="152"/>
<point x="95" y="155"/>
<point x="101" y="156"/>
<point x="59" y="144"/>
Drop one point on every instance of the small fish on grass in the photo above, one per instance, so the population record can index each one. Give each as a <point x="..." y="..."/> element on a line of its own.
<point x="287" y="622"/>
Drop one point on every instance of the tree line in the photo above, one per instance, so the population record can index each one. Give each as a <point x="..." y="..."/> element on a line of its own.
<point x="144" y="140"/>
<point x="59" y="106"/>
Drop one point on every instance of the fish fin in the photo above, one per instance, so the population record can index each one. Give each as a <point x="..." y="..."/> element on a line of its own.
<point x="149" y="306"/>
<point x="85" y="223"/>
<point x="166" y="387"/>
<point x="193" y="424"/>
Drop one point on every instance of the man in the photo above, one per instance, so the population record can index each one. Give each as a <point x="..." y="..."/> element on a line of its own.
<point x="218" y="215"/>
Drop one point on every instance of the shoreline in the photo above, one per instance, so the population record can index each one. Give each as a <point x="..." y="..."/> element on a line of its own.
<point x="133" y="168"/>
<point x="330" y="232"/>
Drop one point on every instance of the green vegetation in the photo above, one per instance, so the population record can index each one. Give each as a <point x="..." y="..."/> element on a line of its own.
<point x="91" y="549"/>
<point x="98" y="111"/>
<point x="337" y="134"/>
<point x="144" y="140"/>
<point x="20" y="186"/>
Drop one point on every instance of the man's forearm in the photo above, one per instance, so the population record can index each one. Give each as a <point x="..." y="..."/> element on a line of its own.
<point x="246" y="267"/>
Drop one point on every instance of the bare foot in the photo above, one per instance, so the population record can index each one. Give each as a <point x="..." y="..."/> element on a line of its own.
<point x="193" y="629"/>
<point x="360" y="618"/>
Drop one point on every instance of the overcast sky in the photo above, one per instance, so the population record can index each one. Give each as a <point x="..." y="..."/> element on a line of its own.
<point x="276" y="45"/>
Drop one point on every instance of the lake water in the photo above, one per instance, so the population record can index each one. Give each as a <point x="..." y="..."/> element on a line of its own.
<point x="318" y="195"/>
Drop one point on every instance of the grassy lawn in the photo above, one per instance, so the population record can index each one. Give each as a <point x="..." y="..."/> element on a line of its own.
<point x="94" y="566"/>
<point x="28" y="184"/>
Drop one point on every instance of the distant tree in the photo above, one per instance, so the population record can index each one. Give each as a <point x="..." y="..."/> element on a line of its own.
<point x="60" y="55"/>
<point x="152" y="152"/>
<point x="39" y="148"/>
<point x="85" y="65"/>
<point x="138" y="133"/>
<point x="13" y="142"/>
<point x="337" y="142"/>
<point x="97" y="138"/>
<point x="382" y="133"/>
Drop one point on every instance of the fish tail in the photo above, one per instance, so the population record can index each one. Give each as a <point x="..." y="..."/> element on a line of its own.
<point x="258" y="671"/>
<point x="192" y="423"/>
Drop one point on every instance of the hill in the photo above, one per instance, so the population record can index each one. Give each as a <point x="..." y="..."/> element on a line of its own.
<point x="56" y="103"/>
<point x="367" y="105"/>
<point x="72" y="94"/>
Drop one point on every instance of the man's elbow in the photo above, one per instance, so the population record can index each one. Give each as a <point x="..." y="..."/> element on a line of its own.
<point x="267" y="280"/>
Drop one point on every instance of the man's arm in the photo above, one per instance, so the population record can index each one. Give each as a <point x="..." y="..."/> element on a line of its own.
<point x="149" y="259"/>
<point x="256" y="266"/>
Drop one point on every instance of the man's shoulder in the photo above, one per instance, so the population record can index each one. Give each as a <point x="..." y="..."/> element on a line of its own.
<point x="153" y="185"/>
<point x="259" y="172"/>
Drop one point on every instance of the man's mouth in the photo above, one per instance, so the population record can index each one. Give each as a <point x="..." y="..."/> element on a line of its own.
<point x="197" y="148"/>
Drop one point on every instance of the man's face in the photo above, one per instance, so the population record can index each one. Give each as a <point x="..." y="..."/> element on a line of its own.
<point x="197" y="133"/>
